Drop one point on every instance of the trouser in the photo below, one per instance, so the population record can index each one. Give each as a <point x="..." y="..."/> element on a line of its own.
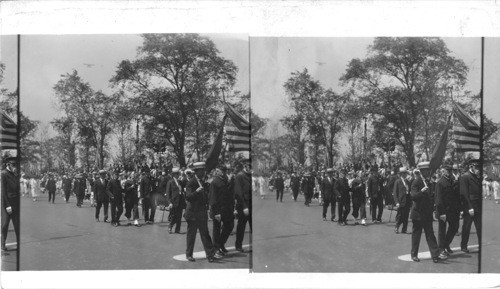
<point x="175" y="218"/>
<point x="467" y="224"/>
<point x="416" y="234"/>
<point x="98" y="209"/>
<point x="359" y="208"/>
<point x="146" y="206"/>
<point x="152" y="202"/>
<point x="6" y="218"/>
<point x="389" y="198"/>
<point x="279" y="195"/>
<point x="375" y="203"/>
<point x="192" y="227"/>
<point x="79" y="198"/>
<point x="130" y="207"/>
<point x="295" y="193"/>
<point x="308" y="197"/>
<point x="242" y="221"/>
<point x="446" y="237"/>
<point x="116" y="211"/>
<point x="331" y="202"/>
<point x="222" y="229"/>
<point x="66" y="195"/>
<point x="402" y="217"/>
<point x="52" y="196"/>
<point x="344" y="208"/>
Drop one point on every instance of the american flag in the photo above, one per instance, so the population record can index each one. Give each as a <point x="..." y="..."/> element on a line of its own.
<point x="465" y="131"/>
<point x="237" y="131"/>
<point x="8" y="137"/>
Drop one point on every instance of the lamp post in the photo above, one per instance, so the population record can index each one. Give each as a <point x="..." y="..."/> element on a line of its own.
<point x="426" y="116"/>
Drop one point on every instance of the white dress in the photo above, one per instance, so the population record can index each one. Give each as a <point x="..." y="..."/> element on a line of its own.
<point x="35" y="188"/>
<point x="496" y="190"/>
<point x="24" y="186"/>
<point x="262" y="185"/>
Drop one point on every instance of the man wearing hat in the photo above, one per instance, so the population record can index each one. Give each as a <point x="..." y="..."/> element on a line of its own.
<point x="10" y="198"/>
<point x="146" y="193"/>
<point x="243" y="196"/>
<point x="448" y="208"/>
<point x="196" y="214"/>
<point x="341" y="189"/>
<point x="375" y="194"/>
<point x="176" y="201"/>
<point x="403" y="200"/>
<point x="114" y="190"/>
<point x="279" y="185"/>
<point x="422" y="218"/>
<point x="51" y="187"/>
<point x="295" y="185"/>
<point x="221" y="208"/>
<point x="101" y="196"/>
<point x="79" y="186"/>
<point x="470" y="190"/>
<point x="328" y="194"/>
<point x="308" y="187"/>
<point x="66" y="186"/>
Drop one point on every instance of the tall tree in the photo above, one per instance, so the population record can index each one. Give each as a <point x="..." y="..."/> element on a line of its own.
<point x="176" y="79"/>
<point x="404" y="83"/>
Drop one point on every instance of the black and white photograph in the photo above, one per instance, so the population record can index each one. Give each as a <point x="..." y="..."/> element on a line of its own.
<point x="9" y="143"/>
<point x="367" y="154"/>
<point x="135" y="152"/>
<point x="490" y="244"/>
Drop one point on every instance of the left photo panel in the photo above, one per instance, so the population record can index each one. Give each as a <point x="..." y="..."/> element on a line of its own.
<point x="136" y="152"/>
<point x="11" y="133"/>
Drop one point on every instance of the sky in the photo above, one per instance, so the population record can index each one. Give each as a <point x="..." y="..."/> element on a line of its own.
<point x="273" y="59"/>
<point x="44" y="58"/>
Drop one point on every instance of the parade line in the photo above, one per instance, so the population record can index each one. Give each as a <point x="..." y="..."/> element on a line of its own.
<point x="427" y="255"/>
<point x="201" y="254"/>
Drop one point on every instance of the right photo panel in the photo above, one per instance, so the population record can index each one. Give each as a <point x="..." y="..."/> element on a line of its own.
<point x="490" y="261"/>
<point x="367" y="155"/>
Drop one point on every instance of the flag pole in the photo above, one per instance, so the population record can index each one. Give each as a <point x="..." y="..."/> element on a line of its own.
<point x="481" y="131"/>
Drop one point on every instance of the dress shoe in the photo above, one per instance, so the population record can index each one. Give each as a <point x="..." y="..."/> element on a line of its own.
<point x="333" y="219"/>
<point x="137" y="225"/>
<point x="114" y="224"/>
<point x="396" y="230"/>
<point x="448" y="250"/>
<point x="445" y="253"/>
<point x="106" y="221"/>
<point x="241" y="250"/>
<point x="465" y="250"/>
<point x="342" y="223"/>
<point x="211" y="259"/>
<point x="415" y="259"/>
<point x="170" y="230"/>
<point x="441" y="257"/>
<point x="218" y="255"/>
<point x="191" y="259"/>
<point x="223" y="250"/>
<point x="221" y="253"/>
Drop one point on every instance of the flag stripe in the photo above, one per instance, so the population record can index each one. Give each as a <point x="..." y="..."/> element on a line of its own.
<point x="470" y="133"/>
<point x="465" y="130"/>
<point x="8" y="132"/>
<point x="237" y="131"/>
<point x="467" y="138"/>
<point x="464" y="118"/>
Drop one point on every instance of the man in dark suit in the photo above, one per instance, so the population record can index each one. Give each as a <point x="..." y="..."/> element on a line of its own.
<point x="176" y="201"/>
<point x="448" y="209"/>
<point x="470" y="190"/>
<point x="295" y="186"/>
<point x="307" y="187"/>
<point x="279" y="185"/>
<point x="131" y="200"/>
<point x="221" y="209"/>
<point x="115" y="192"/>
<point x="358" y="199"/>
<point x="51" y="187"/>
<point x="196" y="214"/>
<point x="341" y="190"/>
<point x="66" y="186"/>
<point x="422" y="218"/>
<point x="328" y="194"/>
<point x="403" y="200"/>
<point x="10" y="198"/>
<point x="146" y="192"/>
<point x="243" y="197"/>
<point x="375" y="195"/>
<point x="101" y="195"/>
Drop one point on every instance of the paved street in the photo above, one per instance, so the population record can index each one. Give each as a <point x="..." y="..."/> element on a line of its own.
<point x="490" y="257"/>
<point x="61" y="236"/>
<point x="290" y="237"/>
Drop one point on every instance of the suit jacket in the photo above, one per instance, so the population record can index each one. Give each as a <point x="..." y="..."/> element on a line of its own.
<point x="358" y="191"/>
<point x="447" y="197"/>
<point x="308" y="185"/>
<point x="221" y="199"/>
<point x="197" y="201"/>
<point x="279" y="183"/>
<point x="402" y="193"/>
<point x="423" y="202"/>
<point x="470" y="189"/>
<point x="10" y="189"/>
<point x="146" y="187"/>
<point x="51" y="185"/>
<point x="327" y="190"/>
<point x="162" y="184"/>
<point x="374" y="187"/>
<point x="100" y="193"/>
<point x="66" y="185"/>
<point x="114" y="190"/>
<point x="130" y="190"/>
<point x="341" y="189"/>
<point x="175" y="195"/>
<point x="243" y="189"/>
<point x="295" y="183"/>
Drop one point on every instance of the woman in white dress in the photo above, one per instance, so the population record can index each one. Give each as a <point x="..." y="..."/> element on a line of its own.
<point x="35" y="188"/>
<point x="262" y="184"/>
<point x="24" y="186"/>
